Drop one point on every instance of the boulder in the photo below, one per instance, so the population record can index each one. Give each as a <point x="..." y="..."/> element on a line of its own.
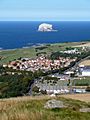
<point x="85" y="110"/>
<point x="54" y="104"/>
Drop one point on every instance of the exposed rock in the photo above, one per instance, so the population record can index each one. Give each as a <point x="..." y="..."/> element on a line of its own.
<point x="45" y="27"/>
<point x="85" y="110"/>
<point x="52" y="95"/>
<point x="54" y="104"/>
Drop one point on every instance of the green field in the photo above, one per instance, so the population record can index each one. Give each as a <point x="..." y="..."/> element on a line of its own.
<point x="10" y="55"/>
<point x="82" y="82"/>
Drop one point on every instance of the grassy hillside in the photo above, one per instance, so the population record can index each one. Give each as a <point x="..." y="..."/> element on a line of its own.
<point x="32" y="108"/>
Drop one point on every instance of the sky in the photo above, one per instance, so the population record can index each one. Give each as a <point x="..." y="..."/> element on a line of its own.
<point x="52" y="10"/>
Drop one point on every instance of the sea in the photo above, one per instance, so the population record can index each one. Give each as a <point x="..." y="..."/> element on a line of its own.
<point x="20" y="34"/>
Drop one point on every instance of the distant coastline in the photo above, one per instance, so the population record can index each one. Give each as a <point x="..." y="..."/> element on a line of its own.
<point x="45" y="44"/>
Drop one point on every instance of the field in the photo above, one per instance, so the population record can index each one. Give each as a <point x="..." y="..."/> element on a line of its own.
<point x="9" y="55"/>
<point x="85" y="81"/>
<point x="85" y="63"/>
<point x="32" y="108"/>
<point x="81" y="97"/>
<point x="83" y="44"/>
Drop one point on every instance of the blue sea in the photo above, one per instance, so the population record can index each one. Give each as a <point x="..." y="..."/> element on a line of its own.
<point x="24" y="34"/>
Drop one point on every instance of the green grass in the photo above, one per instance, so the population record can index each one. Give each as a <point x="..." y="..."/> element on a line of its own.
<point x="33" y="109"/>
<point x="82" y="82"/>
<point x="9" y="55"/>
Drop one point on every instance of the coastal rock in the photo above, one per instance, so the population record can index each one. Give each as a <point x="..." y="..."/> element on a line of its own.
<point x="54" y="104"/>
<point x="45" y="27"/>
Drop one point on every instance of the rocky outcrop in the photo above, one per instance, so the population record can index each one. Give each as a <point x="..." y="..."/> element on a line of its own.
<point x="44" y="27"/>
<point x="54" y="104"/>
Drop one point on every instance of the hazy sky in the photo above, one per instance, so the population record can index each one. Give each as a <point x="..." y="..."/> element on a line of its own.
<point x="44" y="10"/>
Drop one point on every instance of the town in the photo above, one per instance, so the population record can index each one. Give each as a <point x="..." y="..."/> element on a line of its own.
<point x="40" y="63"/>
<point x="61" y="74"/>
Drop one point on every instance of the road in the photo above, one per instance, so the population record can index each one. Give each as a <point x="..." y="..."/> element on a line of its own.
<point x="76" y="65"/>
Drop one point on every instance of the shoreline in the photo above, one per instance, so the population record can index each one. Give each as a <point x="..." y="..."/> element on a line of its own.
<point x="43" y="44"/>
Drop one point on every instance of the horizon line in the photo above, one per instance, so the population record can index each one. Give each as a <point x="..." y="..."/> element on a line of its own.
<point x="43" y="20"/>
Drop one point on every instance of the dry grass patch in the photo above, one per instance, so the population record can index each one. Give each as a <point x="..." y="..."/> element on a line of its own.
<point x="83" y="44"/>
<point x="81" y="97"/>
<point x="85" y="63"/>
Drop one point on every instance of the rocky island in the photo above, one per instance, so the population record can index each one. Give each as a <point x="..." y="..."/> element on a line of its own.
<point x="44" y="27"/>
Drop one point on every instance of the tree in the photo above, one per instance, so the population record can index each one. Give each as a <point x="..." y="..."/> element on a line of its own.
<point x="43" y="92"/>
<point x="35" y="89"/>
<point x="88" y="89"/>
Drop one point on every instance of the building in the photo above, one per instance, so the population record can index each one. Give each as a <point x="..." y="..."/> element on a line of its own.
<point x="84" y="71"/>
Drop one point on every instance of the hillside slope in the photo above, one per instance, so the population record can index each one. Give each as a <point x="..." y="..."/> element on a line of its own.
<point x="32" y="108"/>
